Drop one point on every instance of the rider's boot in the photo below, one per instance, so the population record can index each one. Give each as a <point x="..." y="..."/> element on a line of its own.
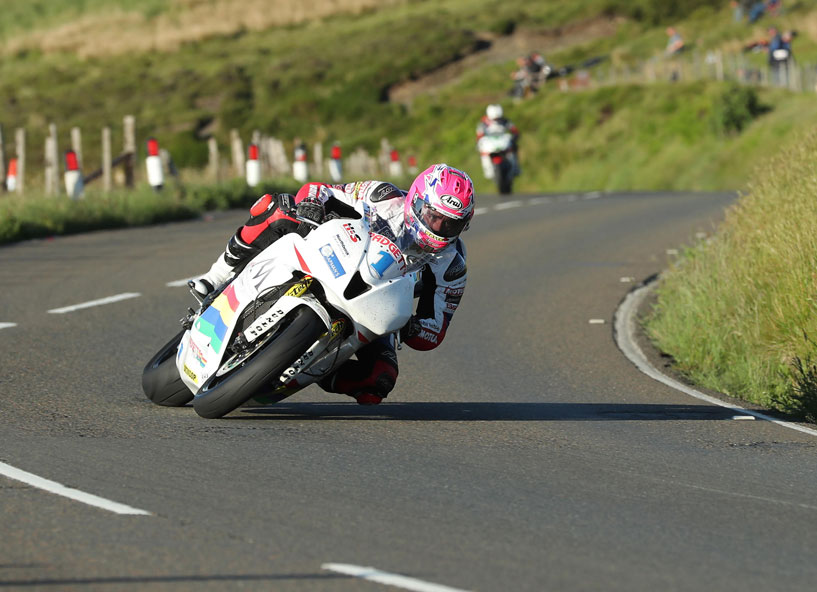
<point x="237" y="252"/>
<point x="368" y="399"/>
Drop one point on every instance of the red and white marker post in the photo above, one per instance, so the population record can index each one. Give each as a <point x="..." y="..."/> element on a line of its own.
<point x="252" y="167"/>
<point x="153" y="163"/>
<point x="412" y="165"/>
<point x="74" y="185"/>
<point x="11" y="176"/>
<point x="336" y="164"/>
<point x="300" y="169"/>
<point x="395" y="166"/>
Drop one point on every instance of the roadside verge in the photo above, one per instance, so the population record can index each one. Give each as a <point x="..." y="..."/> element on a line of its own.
<point x="629" y="337"/>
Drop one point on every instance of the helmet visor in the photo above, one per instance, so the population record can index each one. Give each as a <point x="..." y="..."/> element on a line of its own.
<point x="437" y="222"/>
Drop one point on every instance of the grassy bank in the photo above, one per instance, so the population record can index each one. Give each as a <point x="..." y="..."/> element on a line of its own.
<point x="738" y="312"/>
<point x="41" y="216"/>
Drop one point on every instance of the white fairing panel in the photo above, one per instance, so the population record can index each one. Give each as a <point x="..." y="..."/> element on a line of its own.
<point x="362" y="274"/>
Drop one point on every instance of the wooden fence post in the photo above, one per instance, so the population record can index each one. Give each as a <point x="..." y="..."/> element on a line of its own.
<point x="212" y="159"/>
<point x="129" y="147"/>
<point x="20" y="148"/>
<point x="76" y="144"/>
<point x="237" y="149"/>
<point x="52" y="162"/>
<point x="318" y="156"/>
<point x="106" y="159"/>
<point x="2" y="160"/>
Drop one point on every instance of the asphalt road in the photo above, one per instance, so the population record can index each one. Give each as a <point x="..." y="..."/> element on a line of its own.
<point x="526" y="453"/>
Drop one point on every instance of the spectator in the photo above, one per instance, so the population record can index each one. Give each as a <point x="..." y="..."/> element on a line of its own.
<point x="741" y="8"/>
<point x="675" y="44"/>
<point x="780" y="56"/>
<point x="531" y="73"/>
<point x="757" y="11"/>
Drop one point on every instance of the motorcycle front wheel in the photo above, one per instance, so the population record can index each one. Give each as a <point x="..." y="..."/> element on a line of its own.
<point x="161" y="382"/>
<point x="223" y="393"/>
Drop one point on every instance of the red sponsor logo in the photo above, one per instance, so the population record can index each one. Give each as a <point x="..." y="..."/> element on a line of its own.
<point x="351" y="232"/>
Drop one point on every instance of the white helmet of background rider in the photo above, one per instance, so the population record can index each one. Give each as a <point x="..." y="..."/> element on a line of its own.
<point x="438" y="207"/>
<point x="494" y="112"/>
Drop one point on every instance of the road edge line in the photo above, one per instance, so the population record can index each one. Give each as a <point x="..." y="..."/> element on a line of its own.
<point x="624" y="329"/>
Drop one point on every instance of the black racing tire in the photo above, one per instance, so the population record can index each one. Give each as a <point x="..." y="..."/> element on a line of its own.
<point x="504" y="177"/>
<point x="220" y="395"/>
<point x="161" y="382"/>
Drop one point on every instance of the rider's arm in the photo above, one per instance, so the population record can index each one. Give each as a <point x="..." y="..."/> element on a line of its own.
<point x="443" y="287"/>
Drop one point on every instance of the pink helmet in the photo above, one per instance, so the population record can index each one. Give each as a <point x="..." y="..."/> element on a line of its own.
<point x="439" y="206"/>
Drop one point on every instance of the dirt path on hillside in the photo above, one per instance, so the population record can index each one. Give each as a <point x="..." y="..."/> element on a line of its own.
<point x="500" y="49"/>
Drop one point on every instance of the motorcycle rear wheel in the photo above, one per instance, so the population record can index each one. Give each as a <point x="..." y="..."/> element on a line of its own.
<point x="222" y="394"/>
<point x="161" y="382"/>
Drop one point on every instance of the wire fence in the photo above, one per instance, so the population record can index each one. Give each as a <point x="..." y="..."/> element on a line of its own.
<point x="696" y="65"/>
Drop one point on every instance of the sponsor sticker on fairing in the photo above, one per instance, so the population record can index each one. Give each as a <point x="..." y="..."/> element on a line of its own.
<point x="332" y="261"/>
<point x="350" y="230"/>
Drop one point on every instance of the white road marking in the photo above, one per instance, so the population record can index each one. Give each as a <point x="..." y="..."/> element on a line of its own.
<point x="74" y="494"/>
<point x="535" y="201"/>
<point x="506" y="205"/>
<point x="596" y="321"/>
<point x="625" y="338"/>
<point x="99" y="302"/>
<point x="7" y="325"/>
<point x="389" y="579"/>
<point x="592" y="195"/>
<point x="478" y="211"/>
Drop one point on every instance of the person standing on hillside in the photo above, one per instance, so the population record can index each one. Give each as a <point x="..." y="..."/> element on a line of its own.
<point x="780" y="56"/>
<point x="495" y="122"/>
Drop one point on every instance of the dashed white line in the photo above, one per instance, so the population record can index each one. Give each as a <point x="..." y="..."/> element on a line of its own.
<point x="7" y="325"/>
<point x="389" y="579"/>
<point x="506" y="205"/>
<point x="101" y="301"/>
<point x="74" y="494"/>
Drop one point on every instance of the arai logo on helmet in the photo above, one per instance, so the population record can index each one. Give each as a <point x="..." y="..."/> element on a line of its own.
<point x="451" y="201"/>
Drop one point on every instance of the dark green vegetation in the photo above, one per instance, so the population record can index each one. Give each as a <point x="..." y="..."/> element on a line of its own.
<point x="333" y="79"/>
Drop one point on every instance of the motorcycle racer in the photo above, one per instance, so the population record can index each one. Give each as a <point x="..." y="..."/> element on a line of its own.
<point x="495" y="122"/>
<point x="429" y="217"/>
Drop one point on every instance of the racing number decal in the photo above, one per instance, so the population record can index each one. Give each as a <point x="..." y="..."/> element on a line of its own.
<point x="381" y="265"/>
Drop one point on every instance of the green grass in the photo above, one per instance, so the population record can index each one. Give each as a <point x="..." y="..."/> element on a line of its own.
<point x="24" y="217"/>
<point x="738" y="312"/>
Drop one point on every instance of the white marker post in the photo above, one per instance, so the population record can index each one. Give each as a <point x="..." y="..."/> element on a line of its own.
<point x="336" y="164"/>
<point x="253" y="166"/>
<point x="74" y="185"/>
<point x="153" y="163"/>
<point x="11" y="176"/>
<point x="395" y="167"/>
<point x="300" y="169"/>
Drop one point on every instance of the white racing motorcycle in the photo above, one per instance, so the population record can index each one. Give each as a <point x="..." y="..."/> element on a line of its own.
<point x="499" y="148"/>
<point x="291" y="317"/>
